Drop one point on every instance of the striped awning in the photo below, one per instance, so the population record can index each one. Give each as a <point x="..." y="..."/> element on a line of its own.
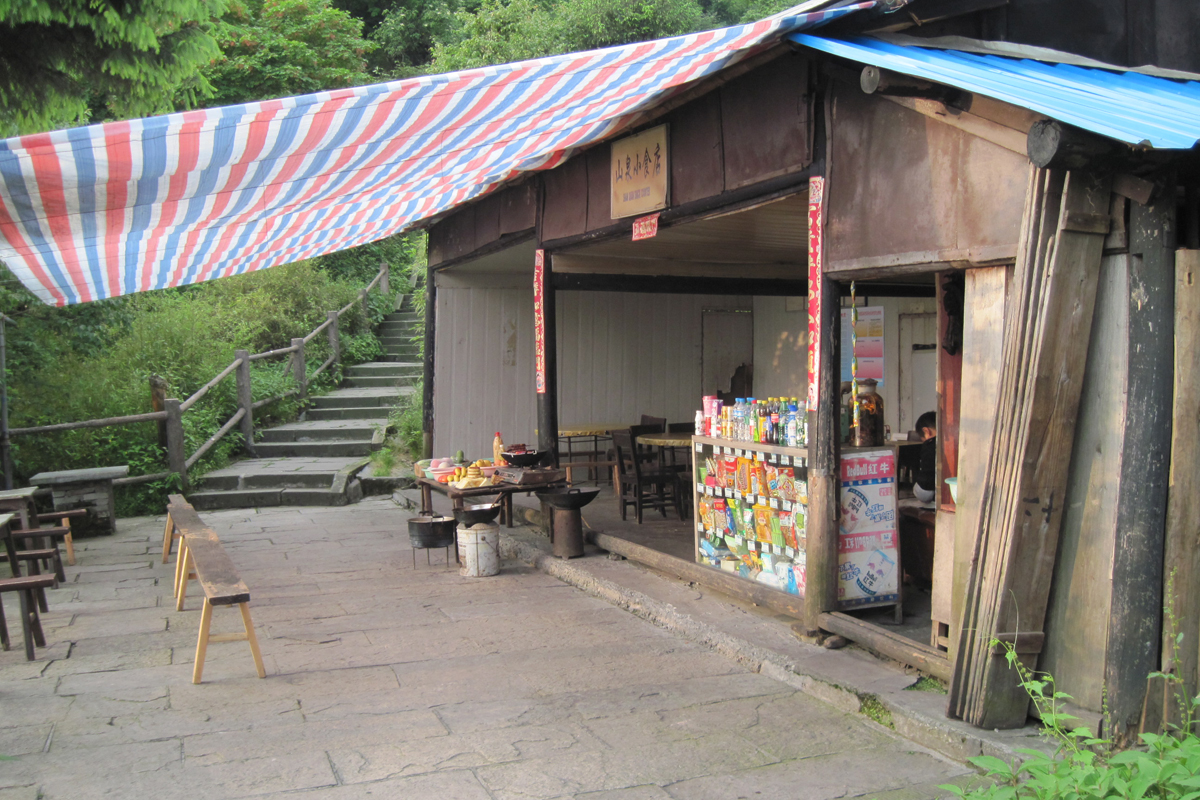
<point x="106" y="210"/>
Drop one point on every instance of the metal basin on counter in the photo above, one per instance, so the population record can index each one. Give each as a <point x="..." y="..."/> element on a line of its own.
<point x="477" y="514"/>
<point x="568" y="499"/>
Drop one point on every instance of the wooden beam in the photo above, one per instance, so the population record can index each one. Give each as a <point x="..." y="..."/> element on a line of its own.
<point x="1012" y="139"/>
<point x="667" y="284"/>
<point x="824" y="472"/>
<point x="547" y="401"/>
<point x="1137" y="580"/>
<point x="889" y="644"/>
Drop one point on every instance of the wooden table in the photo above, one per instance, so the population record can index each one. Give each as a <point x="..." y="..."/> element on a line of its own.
<point x="667" y="442"/>
<point x="505" y="490"/>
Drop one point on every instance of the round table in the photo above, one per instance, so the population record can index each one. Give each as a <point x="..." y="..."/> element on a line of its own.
<point x="666" y="439"/>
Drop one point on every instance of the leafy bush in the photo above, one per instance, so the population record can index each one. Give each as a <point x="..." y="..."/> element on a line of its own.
<point x="1087" y="767"/>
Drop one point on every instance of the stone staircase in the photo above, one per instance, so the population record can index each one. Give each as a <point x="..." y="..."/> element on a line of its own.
<point x="315" y="461"/>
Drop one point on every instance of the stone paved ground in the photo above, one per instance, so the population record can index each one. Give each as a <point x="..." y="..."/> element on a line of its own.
<point x="394" y="682"/>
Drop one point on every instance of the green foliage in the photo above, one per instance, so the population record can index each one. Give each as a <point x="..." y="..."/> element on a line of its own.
<point x="62" y="59"/>
<point x="277" y="48"/>
<point x="407" y="420"/>
<point x="406" y="34"/>
<point x="1088" y="767"/>
<point x="590" y="24"/>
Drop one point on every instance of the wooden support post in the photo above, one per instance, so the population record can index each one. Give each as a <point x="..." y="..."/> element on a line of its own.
<point x="427" y="372"/>
<point x="245" y="399"/>
<point x="176" y="457"/>
<point x="158" y="396"/>
<point x="252" y="639"/>
<point x="824" y="470"/>
<point x="335" y="340"/>
<point x="547" y="395"/>
<point x="300" y="368"/>
<point x="1137" y="578"/>
<point x="1182" y="555"/>
<point x="168" y="537"/>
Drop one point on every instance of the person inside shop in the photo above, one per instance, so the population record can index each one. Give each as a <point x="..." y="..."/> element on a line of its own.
<point x="925" y="478"/>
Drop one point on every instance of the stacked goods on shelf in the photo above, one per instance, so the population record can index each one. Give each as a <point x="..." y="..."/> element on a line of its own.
<point x="750" y="514"/>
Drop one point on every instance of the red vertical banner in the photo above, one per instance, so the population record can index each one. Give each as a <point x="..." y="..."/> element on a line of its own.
<point x="539" y="321"/>
<point x="816" y="194"/>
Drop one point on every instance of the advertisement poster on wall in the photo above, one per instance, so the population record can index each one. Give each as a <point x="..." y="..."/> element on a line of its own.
<point x="868" y="561"/>
<point x="868" y="347"/>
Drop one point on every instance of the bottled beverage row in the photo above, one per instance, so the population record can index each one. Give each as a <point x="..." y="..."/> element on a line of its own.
<point x="775" y="420"/>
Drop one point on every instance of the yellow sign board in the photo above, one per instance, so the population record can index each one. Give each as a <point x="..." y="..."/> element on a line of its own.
<point x="639" y="173"/>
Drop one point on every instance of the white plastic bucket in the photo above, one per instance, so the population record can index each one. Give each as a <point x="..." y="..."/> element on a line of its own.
<point x="479" y="550"/>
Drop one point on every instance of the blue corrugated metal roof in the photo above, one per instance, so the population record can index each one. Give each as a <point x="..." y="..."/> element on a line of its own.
<point x="1126" y="106"/>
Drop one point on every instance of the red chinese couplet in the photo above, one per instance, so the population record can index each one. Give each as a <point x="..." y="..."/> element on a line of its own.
<point x="816" y="192"/>
<point x="645" y="227"/>
<point x="539" y="322"/>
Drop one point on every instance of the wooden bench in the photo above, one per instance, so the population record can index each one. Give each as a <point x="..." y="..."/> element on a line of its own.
<point x="28" y="588"/>
<point x="201" y="556"/>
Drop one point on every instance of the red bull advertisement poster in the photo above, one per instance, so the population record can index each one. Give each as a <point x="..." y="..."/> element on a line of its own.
<point x="868" y="551"/>
<point x="816" y="195"/>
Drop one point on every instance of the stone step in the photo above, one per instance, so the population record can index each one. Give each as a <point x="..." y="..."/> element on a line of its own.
<point x="399" y="329"/>
<point x="319" y="431"/>
<point x="244" y="498"/>
<point x="387" y="380"/>
<point x="317" y="497"/>
<point x="339" y="399"/>
<point x="381" y="368"/>
<point x="356" y="412"/>
<point x="397" y="341"/>
<point x="402" y="359"/>
<point x="406" y="352"/>
<point x="345" y="448"/>
<point x="402" y="316"/>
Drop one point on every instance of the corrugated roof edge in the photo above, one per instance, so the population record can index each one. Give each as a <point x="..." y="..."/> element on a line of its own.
<point x="1013" y="50"/>
<point x="1137" y="109"/>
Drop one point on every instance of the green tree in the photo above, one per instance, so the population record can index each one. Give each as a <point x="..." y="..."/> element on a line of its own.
<point x="589" y="24"/>
<point x="407" y="33"/>
<point x="61" y="58"/>
<point x="280" y="48"/>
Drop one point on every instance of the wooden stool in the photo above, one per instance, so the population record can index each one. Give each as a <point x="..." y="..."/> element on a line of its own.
<point x="31" y="624"/>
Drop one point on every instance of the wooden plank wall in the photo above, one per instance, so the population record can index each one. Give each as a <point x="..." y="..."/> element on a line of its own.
<point x="983" y="338"/>
<point x="1077" y="615"/>
<point x="936" y="193"/>
<point x="1182" y="558"/>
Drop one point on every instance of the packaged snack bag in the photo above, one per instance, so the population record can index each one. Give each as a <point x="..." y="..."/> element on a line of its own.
<point x="771" y="483"/>
<point x="776" y="530"/>
<point x="731" y="468"/>
<point x="787" y="529"/>
<point x="787" y="484"/>
<point x="762" y="523"/>
<point x="743" y="476"/>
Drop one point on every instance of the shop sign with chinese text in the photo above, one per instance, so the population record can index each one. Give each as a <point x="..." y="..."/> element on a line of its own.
<point x="638" y="173"/>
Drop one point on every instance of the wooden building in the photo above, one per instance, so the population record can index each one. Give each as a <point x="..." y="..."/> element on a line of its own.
<point x="1051" y="290"/>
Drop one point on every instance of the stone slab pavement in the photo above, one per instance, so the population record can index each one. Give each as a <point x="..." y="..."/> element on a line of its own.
<point x="391" y="681"/>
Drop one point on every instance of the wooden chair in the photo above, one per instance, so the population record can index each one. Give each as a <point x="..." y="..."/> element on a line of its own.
<point x="63" y="520"/>
<point x="639" y="485"/>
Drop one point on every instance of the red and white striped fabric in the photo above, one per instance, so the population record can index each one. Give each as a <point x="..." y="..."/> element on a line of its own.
<point x="106" y="210"/>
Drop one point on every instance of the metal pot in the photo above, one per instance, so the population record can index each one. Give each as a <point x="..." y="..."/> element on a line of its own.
<point x="477" y="514"/>
<point x="429" y="530"/>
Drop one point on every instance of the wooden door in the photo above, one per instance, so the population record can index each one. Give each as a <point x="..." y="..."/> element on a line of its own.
<point x="918" y="368"/>
<point x="728" y="342"/>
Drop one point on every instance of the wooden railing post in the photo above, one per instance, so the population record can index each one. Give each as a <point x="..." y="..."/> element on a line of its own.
<point x="245" y="399"/>
<point x="335" y="342"/>
<point x="176" y="457"/>
<point x="300" y="367"/>
<point x="385" y="285"/>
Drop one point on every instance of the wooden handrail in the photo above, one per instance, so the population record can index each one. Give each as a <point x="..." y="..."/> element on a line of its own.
<point x="203" y="390"/>
<point x="316" y="330"/>
<point x="152" y="416"/>
<point x="270" y="353"/>
<point x="130" y="480"/>
<point x="328" y="362"/>
<point x="216" y="437"/>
